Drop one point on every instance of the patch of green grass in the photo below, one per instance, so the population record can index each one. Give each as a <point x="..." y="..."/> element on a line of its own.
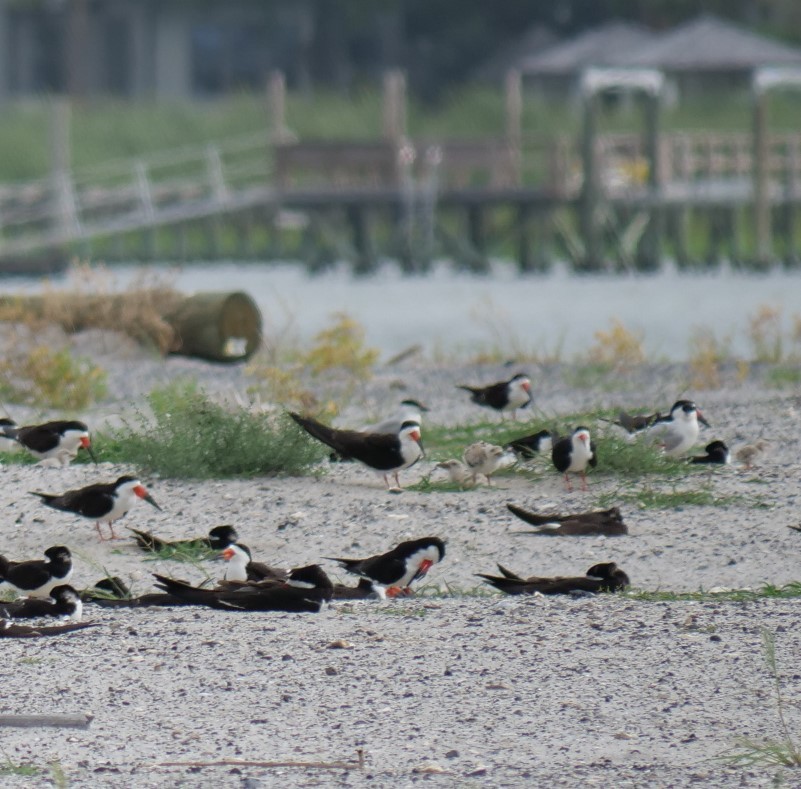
<point x="773" y="753"/>
<point x="637" y="458"/>
<point x="191" y="553"/>
<point x="192" y="437"/>
<point x="58" y="775"/>
<point x="649" y="497"/>
<point x="10" y="768"/>
<point x="783" y="376"/>
<point x="768" y="591"/>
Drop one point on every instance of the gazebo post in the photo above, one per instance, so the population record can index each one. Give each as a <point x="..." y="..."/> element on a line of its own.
<point x="765" y="80"/>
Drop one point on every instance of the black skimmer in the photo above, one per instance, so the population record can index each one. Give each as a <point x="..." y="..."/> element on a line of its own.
<point x="574" y="454"/>
<point x="716" y="452"/>
<point x="605" y="577"/>
<point x="54" y="442"/>
<point x="608" y="522"/>
<point x="678" y="431"/>
<point x="63" y="601"/>
<point x="10" y="629"/>
<point x="219" y="538"/>
<point x="241" y="568"/>
<point x="36" y="578"/>
<point x="395" y="570"/>
<point x="503" y="395"/>
<point x="384" y="452"/>
<point x="7" y="426"/>
<point x="408" y="411"/>
<point x="483" y="458"/>
<point x="101" y="502"/>
<point x="634" y="423"/>
<point x="750" y="452"/>
<point x="305" y="590"/>
<point x="458" y="472"/>
<point x="363" y="590"/>
<point x="528" y="447"/>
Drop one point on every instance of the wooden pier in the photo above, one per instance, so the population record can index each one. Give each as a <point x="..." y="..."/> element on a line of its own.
<point x="602" y="202"/>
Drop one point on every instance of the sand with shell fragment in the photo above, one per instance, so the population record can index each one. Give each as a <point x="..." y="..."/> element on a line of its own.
<point x="484" y="690"/>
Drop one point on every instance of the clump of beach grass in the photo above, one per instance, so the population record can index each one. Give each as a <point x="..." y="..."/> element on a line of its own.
<point x="191" y="436"/>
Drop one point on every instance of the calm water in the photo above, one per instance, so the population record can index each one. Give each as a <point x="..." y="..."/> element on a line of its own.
<point x="451" y="311"/>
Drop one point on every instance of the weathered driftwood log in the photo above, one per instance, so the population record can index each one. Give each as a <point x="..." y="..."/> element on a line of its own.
<point x="221" y="327"/>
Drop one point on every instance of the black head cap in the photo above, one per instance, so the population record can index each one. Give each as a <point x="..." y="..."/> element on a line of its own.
<point x="58" y="553"/>
<point x="222" y="536"/>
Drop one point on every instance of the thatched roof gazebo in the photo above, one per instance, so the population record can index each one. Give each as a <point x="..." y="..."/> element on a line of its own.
<point x="709" y="53"/>
<point x="557" y="70"/>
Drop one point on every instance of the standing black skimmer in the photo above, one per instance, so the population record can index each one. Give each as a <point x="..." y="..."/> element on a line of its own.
<point x="101" y="502"/>
<point x="36" y="578"/>
<point x="605" y="577"/>
<point x="608" y="522"/>
<point x="574" y="454"/>
<point x="408" y="411"/>
<point x="395" y="570"/>
<point x="527" y="447"/>
<point x="483" y="458"/>
<point x="63" y="601"/>
<point x="678" y="431"/>
<point x="56" y="442"/>
<point x="384" y="452"/>
<point x="503" y="395"/>
<point x="716" y="452"/>
<point x="219" y="538"/>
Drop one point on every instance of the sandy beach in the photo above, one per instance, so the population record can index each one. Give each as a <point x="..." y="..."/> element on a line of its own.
<point x="448" y="690"/>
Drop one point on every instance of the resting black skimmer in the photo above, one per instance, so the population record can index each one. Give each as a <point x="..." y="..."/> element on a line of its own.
<point x="608" y="522"/>
<point x="384" y="452"/>
<point x="634" y="423"/>
<point x="10" y="629"/>
<point x="408" y="411"/>
<point x="101" y="502"/>
<point x="63" y="601"/>
<point x="678" y="431"/>
<point x="306" y="589"/>
<point x="503" y="395"/>
<point x="605" y="577"/>
<point x="219" y="538"/>
<point x="483" y="458"/>
<point x="56" y="442"/>
<point x="574" y="454"/>
<point x="716" y="452"/>
<point x="395" y="570"/>
<point x="240" y="566"/>
<point x="528" y="447"/>
<point x="36" y="578"/>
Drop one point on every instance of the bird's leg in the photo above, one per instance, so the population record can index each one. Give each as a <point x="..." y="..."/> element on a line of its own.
<point x="99" y="531"/>
<point x="386" y="481"/>
<point x="584" y="485"/>
<point x="393" y="591"/>
<point x="113" y="535"/>
<point x="567" y="481"/>
<point x="397" y="479"/>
